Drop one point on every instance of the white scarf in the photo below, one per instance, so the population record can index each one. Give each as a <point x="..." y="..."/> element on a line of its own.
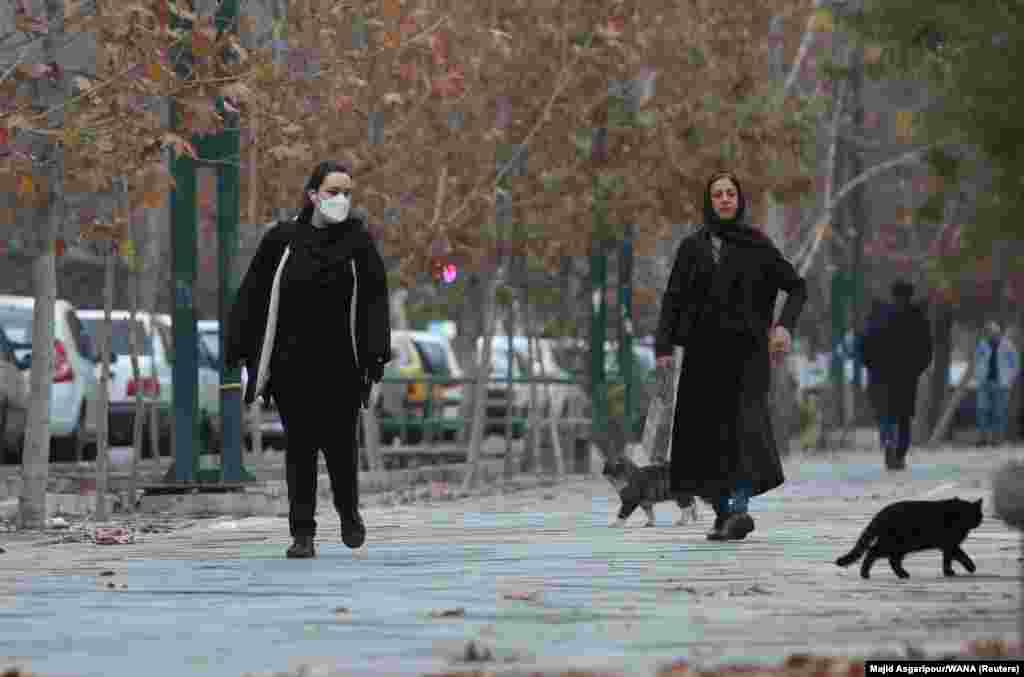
<point x="263" y="374"/>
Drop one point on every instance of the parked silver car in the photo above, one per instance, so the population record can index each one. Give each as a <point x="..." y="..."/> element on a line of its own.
<point x="13" y="402"/>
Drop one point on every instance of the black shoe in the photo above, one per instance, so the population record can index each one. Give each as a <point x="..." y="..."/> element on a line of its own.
<point x="353" y="531"/>
<point x="302" y="548"/>
<point x="735" y="528"/>
<point x="716" y="529"/>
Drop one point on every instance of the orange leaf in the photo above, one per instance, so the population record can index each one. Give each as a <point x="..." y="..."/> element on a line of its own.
<point x="392" y="8"/>
<point x="5" y="136"/>
<point x="154" y="72"/>
<point x="152" y="200"/>
<point x="60" y="247"/>
<point x="26" y="186"/>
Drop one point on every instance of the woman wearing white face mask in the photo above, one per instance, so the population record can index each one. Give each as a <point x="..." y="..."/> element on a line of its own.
<point x="311" y="325"/>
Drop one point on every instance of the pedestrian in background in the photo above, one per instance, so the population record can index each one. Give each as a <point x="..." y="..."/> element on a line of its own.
<point x="719" y="305"/>
<point x="311" y="326"/>
<point x="897" y="350"/>
<point x="996" y="365"/>
<point x="876" y="315"/>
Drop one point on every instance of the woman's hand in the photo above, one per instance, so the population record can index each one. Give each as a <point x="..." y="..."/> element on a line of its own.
<point x="779" y="343"/>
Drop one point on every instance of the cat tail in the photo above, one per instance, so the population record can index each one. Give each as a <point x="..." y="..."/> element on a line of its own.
<point x="863" y="543"/>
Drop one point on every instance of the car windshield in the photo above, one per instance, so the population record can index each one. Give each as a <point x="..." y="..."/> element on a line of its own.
<point x="120" y="338"/>
<point x="499" y="364"/>
<point x="435" y="358"/>
<point x="17" y="326"/>
<point x="212" y="342"/>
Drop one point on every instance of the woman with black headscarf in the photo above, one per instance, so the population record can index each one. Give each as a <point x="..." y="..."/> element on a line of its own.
<point x="311" y="325"/>
<point x="720" y="306"/>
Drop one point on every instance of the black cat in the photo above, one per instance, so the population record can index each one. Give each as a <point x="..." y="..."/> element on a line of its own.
<point x="911" y="526"/>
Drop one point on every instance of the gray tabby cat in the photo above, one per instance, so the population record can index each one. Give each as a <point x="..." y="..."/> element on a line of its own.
<point x="644" y="487"/>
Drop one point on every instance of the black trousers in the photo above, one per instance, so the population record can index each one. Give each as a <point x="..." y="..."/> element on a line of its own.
<point x="308" y="430"/>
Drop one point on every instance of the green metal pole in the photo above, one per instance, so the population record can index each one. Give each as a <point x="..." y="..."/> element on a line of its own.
<point x="228" y="204"/>
<point x="598" y="286"/>
<point x="626" y="325"/>
<point x="184" y="371"/>
<point x="599" y="319"/>
<point x="228" y="207"/>
<point x="840" y="299"/>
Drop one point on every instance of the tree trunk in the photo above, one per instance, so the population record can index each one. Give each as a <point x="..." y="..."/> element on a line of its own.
<point x="36" y="453"/>
<point x="937" y="381"/>
<point x="530" y="443"/>
<point x="942" y="427"/>
<point x="469" y="322"/>
<point x="140" y="402"/>
<point x="103" y="437"/>
<point x="483" y="373"/>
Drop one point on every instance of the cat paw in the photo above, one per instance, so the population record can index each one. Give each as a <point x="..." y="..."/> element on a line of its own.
<point x="689" y="516"/>
<point x="949" y="573"/>
<point x="649" y="524"/>
<point x="618" y="524"/>
<point x="903" y="575"/>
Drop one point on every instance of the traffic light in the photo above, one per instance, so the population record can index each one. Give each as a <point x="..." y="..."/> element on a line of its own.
<point x="443" y="270"/>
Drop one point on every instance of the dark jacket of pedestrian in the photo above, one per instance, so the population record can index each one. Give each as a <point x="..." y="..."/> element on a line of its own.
<point x="879" y="310"/>
<point x="897" y="350"/>
<point x="311" y="325"/>
<point x="719" y="305"/>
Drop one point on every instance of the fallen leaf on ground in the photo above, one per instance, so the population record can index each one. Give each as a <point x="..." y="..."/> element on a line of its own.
<point x="449" y="613"/>
<point x="113" y="536"/>
<point x="106" y="573"/>
<point x="523" y="596"/>
<point x="477" y="653"/>
<point x="342" y="610"/>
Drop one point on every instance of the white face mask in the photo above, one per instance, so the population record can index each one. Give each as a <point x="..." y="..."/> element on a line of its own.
<point x="335" y="209"/>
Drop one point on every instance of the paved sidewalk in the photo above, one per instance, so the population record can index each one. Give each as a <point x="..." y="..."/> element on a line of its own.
<point x="536" y="578"/>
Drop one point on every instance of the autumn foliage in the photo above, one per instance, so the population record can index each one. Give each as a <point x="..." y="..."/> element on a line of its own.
<point x="430" y="102"/>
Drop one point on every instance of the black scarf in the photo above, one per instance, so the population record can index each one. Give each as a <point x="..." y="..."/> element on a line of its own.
<point x="742" y="248"/>
<point x="322" y="254"/>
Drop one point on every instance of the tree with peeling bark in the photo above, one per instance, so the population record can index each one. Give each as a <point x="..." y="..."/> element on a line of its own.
<point x="65" y="133"/>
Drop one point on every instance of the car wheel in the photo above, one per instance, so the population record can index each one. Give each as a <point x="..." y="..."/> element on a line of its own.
<point x="6" y="453"/>
<point x="70" y="448"/>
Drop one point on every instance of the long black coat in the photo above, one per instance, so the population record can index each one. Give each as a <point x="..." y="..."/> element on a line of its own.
<point x="722" y="435"/>
<point x="897" y="349"/>
<point x="316" y="341"/>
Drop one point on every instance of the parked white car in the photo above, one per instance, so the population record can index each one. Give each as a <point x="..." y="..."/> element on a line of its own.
<point x="155" y="372"/>
<point x="155" y="360"/>
<point x="270" y="418"/>
<point x="74" y="395"/>
<point x="552" y="397"/>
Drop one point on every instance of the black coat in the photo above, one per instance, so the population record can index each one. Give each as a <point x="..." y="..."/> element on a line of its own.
<point x="315" y="339"/>
<point x="897" y="349"/>
<point x="722" y="435"/>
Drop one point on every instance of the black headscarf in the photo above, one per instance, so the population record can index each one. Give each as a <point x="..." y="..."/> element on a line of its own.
<point x="742" y="248"/>
<point x="734" y="231"/>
